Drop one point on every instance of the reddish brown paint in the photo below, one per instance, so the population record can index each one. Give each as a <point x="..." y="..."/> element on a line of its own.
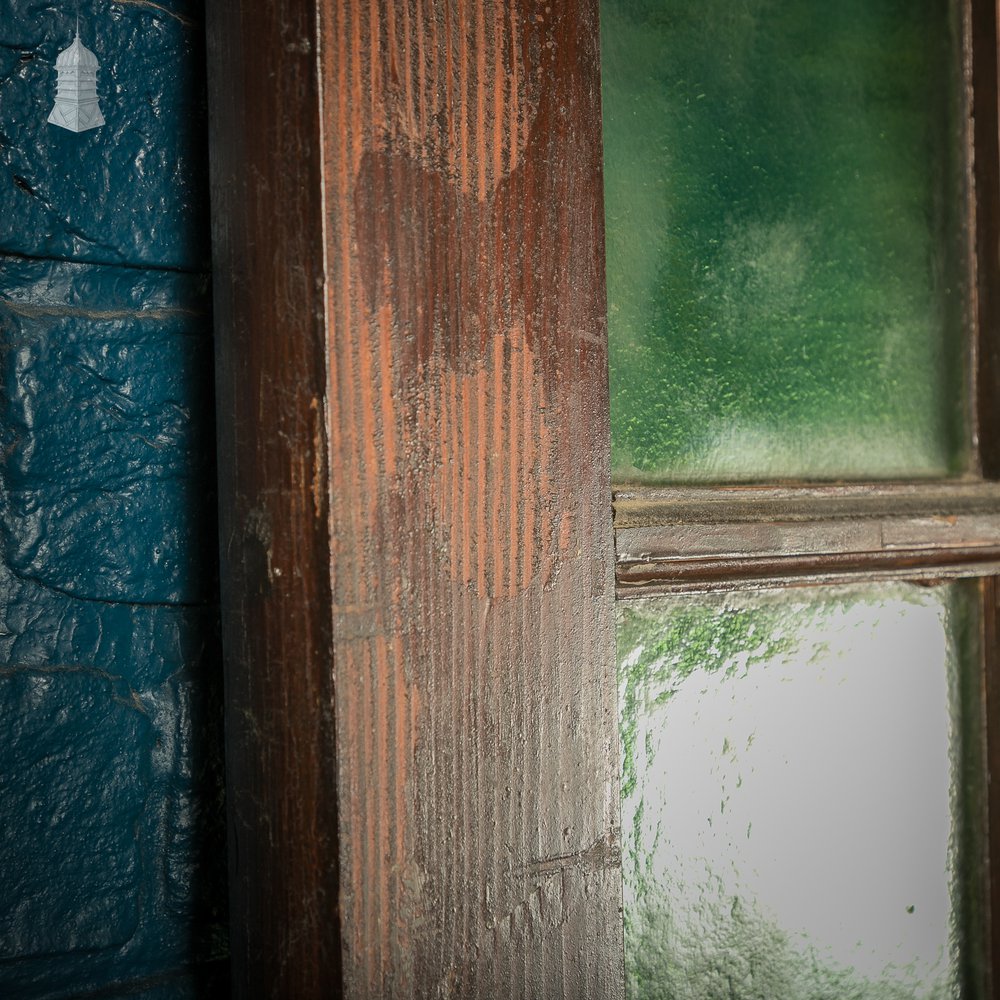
<point x="410" y="271"/>
<point x="470" y="501"/>
<point x="991" y="686"/>
<point x="409" y="261"/>
<point x="984" y="224"/>
<point x="271" y="378"/>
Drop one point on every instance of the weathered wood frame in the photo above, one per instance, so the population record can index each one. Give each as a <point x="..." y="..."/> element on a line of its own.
<point x="694" y="539"/>
<point x="416" y="510"/>
<point x="415" y="507"/>
<point x="275" y="544"/>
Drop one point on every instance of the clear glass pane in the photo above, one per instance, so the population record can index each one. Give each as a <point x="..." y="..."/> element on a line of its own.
<point x="785" y="258"/>
<point x="801" y="792"/>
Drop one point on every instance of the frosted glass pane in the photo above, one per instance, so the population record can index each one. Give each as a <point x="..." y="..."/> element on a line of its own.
<point x="796" y="771"/>
<point x="785" y="260"/>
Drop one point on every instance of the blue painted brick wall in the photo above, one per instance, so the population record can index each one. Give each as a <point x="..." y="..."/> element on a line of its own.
<point x="134" y="191"/>
<point x="112" y="852"/>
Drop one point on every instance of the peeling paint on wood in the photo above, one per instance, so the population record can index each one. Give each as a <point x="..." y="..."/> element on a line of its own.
<point x="433" y="286"/>
<point x="470" y="499"/>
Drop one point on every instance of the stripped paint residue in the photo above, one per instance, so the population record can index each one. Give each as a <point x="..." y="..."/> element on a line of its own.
<point x="467" y="435"/>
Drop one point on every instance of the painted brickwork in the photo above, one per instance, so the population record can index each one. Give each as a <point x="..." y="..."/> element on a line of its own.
<point x="112" y="853"/>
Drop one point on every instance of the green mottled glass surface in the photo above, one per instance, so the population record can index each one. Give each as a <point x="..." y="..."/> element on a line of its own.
<point x="785" y="259"/>
<point x="802" y="782"/>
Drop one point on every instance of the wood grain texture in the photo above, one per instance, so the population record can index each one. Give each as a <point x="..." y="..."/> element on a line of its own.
<point x="470" y="499"/>
<point x="991" y="661"/>
<point x="677" y="505"/>
<point x="778" y="555"/>
<point x="641" y="580"/>
<point x="981" y="25"/>
<point x="271" y="383"/>
<point x="670" y="540"/>
<point x="989" y="903"/>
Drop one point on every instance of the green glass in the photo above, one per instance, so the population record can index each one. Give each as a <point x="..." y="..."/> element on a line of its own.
<point x="802" y="795"/>
<point x="785" y="259"/>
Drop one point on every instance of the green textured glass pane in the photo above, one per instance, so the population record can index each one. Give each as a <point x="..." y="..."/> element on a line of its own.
<point x="802" y="787"/>
<point x="785" y="258"/>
